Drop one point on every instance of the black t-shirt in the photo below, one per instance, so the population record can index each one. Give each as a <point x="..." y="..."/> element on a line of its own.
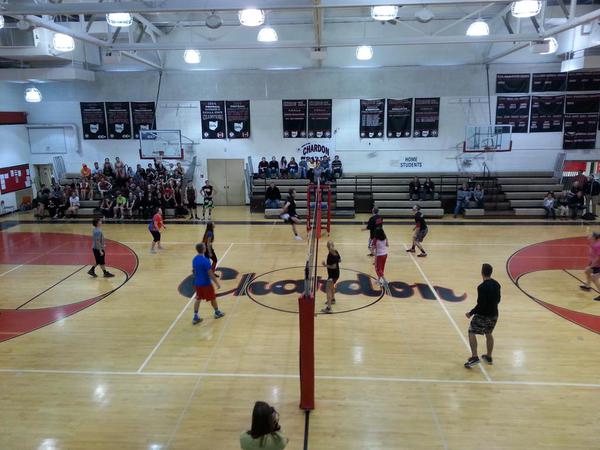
<point x="263" y="165"/>
<point x="273" y="193"/>
<point x="420" y="221"/>
<point x="190" y="194"/>
<point x="334" y="259"/>
<point x="207" y="191"/>
<point x="488" y="297"/>
<point x="292" y="206"/>
<point x="274" y="165"/>
<point x="376" y="221"/>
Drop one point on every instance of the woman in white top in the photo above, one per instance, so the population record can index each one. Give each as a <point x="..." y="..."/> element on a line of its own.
<point x="73" y="205"/>
<point x="379" y="248"/>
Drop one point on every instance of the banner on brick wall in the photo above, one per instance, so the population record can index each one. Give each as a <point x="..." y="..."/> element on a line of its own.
<point x="580" y="131"/>
<point x="238" y="119"/>
<point x="371" y="118"/>
<point x="513" y="111"/>
<point x="399" y="118"/>
<point x="546" y="113"/>
<point x="294" y="118"/>
<point x="212" y="115"/>
<point x="427" y="117"/>
<point x="512" y="83"/>
<point x="319" y="119"/>
<point x="549" y="82"/>
<point x="118" y="120"/>
<point x="93" y="120"/>
<point x="143" y="117"/>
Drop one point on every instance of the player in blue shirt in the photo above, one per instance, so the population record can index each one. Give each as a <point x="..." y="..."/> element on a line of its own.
<point x="204" y="278"/>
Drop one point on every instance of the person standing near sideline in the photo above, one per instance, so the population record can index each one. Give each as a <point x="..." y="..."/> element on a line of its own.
<point x="190" y="195"/>
<point x="207" y="192"/>
<point x="204" y="278"/>
<point x="379" y="248"/>
<point x="99" y="250"/>
<point x="290" y="215"/>
<point x="419" y="232"/>
<point x="484" y="316"/>
<point x="375" y="221"/>
<point x="333" y="274"/>
<point x="592" y="271"/>
<point x="155" y="227"/>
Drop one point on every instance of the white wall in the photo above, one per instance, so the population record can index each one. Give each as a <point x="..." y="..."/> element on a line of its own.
<point x="266" y="89"/>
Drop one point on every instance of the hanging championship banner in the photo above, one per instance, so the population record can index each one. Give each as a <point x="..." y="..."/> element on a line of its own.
<point x="583" y="81"/>
<point x="582" y="104"/>
<point x="580" y="131"/>
<point x="143" y="117"/>
<point x="512" y="83"/>
<point x="371" y="118"/>
<point x="294" y="118"/>
<point x="399" y="118"/>
<point x="212" y="115"/>
<point x="319" y="118"/>
<point x="513" y="111"/>
<point x="93" y="120"/>
<point x="549" y="82"/>
<point x="238" y="119"/>
<point x="118" y="120"/>
<point x="427" y="117"/>
<point x="546" y="113"/>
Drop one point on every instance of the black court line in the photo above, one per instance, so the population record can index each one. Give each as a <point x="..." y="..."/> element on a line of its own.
<point x="580" y="280"/>
<point x="306" y="428"/>
<point x="333" y="222"/>
<point x="54" y="285"/>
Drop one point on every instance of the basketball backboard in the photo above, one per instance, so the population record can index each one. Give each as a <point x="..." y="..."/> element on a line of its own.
<point x="488" y="138"/>
<point x="161" y="144"/>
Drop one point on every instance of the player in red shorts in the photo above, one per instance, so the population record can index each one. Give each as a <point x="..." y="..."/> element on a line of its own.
<point x="204" y="277"/>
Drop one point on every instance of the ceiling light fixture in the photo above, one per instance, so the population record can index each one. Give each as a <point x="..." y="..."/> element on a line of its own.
<point x="552" y="46"/>
<point x="33" y="95"/>
<point x="478" y="28"/>
<point x="384" y="12"/>
<point x="63" y="42"/>
<point x="526" y="8"/>
<point x="251" y="17"/>
<point x="1" y="22"/>
<point x="424" y="15"/>
<point x="267" y="34"/>
<point x="364" y="52"/>
<point x="192" y="56"/>
<point x="119" y="19"/>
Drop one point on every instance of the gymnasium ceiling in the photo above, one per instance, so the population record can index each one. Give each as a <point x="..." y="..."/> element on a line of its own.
<point x="163" y="29"/>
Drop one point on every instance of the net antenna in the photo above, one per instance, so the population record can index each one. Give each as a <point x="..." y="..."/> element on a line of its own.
<point x="306" y="302"/>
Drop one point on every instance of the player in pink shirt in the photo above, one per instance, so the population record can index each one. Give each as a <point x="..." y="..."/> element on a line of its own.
<point x="592" y="271"/>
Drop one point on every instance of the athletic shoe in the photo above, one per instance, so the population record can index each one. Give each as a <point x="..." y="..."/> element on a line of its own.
<point x="152" y="250"/>
<point x="298" y="238"/>
<point x="219" y="314"/>
<point x="197" y="320"/>
<point x="326" y="310"/>
<point x="585" y="287"/>
<point x="422" y="255"/>
<point x="410" y="250"/>
<point x="487" y="359"/>
<point x="108" y="275"/>
<point x="333" y="301"/>
<point x="471" y="362"/>
<point x="92" y="273"/>
<point x="597" y="298"/>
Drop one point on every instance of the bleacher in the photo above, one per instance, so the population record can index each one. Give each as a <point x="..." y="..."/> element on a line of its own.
<point x="525" y="191"/>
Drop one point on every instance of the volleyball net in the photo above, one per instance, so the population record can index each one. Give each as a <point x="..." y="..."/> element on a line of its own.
<point x="306" y="302"/>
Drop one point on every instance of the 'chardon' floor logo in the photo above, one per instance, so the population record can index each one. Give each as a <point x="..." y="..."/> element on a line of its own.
<point x="279" y="289"/>
<point x="530" y="270"/>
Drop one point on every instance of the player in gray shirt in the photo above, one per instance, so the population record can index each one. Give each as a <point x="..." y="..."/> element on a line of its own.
<point x="98" y="247"/>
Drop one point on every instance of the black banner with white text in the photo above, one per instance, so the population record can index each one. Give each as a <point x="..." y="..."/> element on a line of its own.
<point x="294" y="118"/>
<point x="118" y="120"/>
<point x="143" y="117"/>
<point x="93" y="120"/>
<point x="513" y="111"/>
<point x="319" y="118"/>
<point x="546" y="113"/>
<point x="238" y="119"/>
<point x="212" y="114"/>
<point x="372" y="119"/>
<point x="427" y="117"/>
<point x="399" y="118"/>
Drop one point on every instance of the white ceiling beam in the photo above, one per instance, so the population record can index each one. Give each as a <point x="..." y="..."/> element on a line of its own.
<point x="142" y="7"/>
<point x="149" y="25"/>
<point x="50" y="25"/>
<point x="141" y="60"/>
<point x="462" y="19"/>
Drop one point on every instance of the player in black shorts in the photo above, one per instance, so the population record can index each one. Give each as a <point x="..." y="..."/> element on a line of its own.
<point x="207" y="192"/>
<point x="375" y="221"/>
<point x="289" y="214"/>
<point x="333" y="274"/>
<point x="420" y="231"/>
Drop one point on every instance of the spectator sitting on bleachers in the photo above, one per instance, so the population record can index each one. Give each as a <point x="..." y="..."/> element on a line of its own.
<point x="292" y="168"/>
<point x="41" y="201"/>
<point x="563" y="204"/>
<point x="85" y="171"/>
<point x="325" y="169"/>
<point x="107" y="169"/>
<point x="106" y="207"/>
<point x="317" y="172"/>
<point x="303" y="167"/>
<point x="576" y="203"/>
<point x="428" y="190"/>
<point x="478" y="195"/>
<point x="414" y="189"/>
<point x="120" y="171"/>
<point x="73" y="205"/>
<point x="576" y="187"/>
<point x="549" y="205"/>
<point x="54" y="204"/>
<point x="336" y="167"/>
<point x="132" y="204"/>
<point x="179" y="171"/>
<point x="104" y="187"/>
<point x="462" y="196"/>
<point x="263" y="167"/>
<point x="120" y="203"/>
<point x="592" y="193"/>
<point x="310" y="164"/>
<point x="274" y="168"/>
<point x="272" y="197"/>
<point x="283" y="167"/>
<point x="97" y="170"/>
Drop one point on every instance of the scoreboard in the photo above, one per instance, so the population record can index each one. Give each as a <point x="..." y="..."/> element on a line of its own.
<point x="14" y="178"/>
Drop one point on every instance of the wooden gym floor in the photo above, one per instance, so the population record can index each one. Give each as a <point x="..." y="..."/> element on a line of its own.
<point x="116" y="364"/>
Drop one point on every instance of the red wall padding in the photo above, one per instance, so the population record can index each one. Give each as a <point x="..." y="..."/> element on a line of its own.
<point x="12" y="118"/>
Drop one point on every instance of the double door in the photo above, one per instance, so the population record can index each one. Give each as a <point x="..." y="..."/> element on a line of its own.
<point x="227" y="177"/>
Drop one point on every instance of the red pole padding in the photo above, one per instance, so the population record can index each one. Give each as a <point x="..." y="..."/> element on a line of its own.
<point x="306" y="307"/>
